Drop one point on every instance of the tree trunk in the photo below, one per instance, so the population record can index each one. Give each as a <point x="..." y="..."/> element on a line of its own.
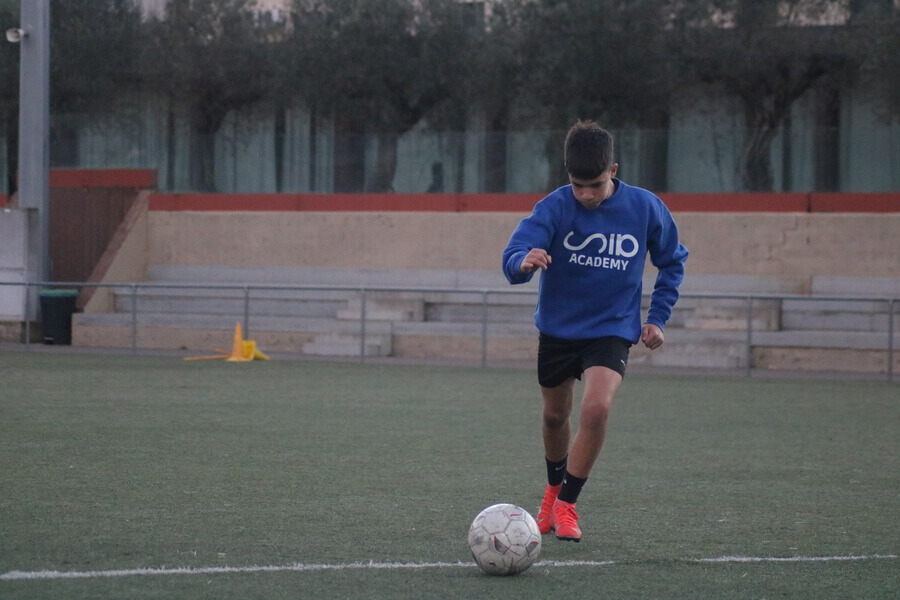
<point x="280" y="134"/>
<point x="386" y="167"/>
<point x="203" y="151"/>
<point x="313" y="150"/>
<point x="755" y="171"/>
<point x="171" y="132"/>
<point x="553" y="150"/>
<point x="206" y="120"/>
<point x="755" y="167"/>
<point x="495" y="154"/>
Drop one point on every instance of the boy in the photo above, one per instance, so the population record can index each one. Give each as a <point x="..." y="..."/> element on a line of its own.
<point x="590" y="239"/>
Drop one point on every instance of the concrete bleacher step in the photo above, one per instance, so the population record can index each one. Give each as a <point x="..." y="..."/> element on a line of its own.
<point x="227" y="322"/>
<point x="846" y="340"/>
<point x="269" y="302"/>
<point x="695" y="359"/>
<point x="723" y="313"/>
<point x="331" y="344"/>
<point x="464" y="328"/>
<point x="302" y="335"/>
<point x="872" y="287"/>
<point x="383" y="309"/>
<point x="841" y="315"/>
<point x="740" y="285"/>
<point x="696" y="349"/>
<point x="438" y="314"/>
<point x="340" y="304"/>
<point x="329" y="276"/>
<point x="732" y="315"/>
<point x="467" y="312"/>
<point x="391" y="294"/>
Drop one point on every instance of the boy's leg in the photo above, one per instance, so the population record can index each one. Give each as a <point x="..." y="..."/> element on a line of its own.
<point x="556" y="431"/>
<point x="555" y="424"/>
<point x="600" y="386"/>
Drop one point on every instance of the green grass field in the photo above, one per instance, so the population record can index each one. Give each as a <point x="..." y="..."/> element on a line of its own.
<point x="322" y="480"/>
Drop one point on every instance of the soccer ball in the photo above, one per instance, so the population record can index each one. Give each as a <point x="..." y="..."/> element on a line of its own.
<point x="504" y="539"/>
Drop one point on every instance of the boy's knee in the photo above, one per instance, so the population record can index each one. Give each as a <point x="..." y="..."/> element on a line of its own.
<point x="554" y="419"/>
<point x="595" y="413"/>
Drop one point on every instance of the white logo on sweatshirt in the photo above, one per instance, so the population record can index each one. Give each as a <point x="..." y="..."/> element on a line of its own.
<point x="615" y="244"/>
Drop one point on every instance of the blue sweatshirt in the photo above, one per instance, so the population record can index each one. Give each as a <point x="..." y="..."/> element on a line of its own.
<point x="592" y="287"/>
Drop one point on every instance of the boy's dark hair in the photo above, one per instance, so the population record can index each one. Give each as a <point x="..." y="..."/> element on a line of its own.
<point x="588" y="150"/>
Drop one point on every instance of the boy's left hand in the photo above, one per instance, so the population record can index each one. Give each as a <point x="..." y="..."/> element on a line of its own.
<point x="652" y="336"/>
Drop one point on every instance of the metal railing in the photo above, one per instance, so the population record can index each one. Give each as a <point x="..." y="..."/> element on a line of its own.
<point x="484" y="295"/>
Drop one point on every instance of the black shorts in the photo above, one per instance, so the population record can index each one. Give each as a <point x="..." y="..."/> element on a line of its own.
<point x="559" y="359"/>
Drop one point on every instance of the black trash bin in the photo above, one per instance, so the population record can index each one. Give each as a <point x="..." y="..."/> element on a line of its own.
<point x="57" y="307"/>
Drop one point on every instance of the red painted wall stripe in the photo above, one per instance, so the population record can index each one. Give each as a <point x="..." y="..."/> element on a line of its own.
<point x="886" y="202"/>
<point x="346" y="202"/>
<point x="736" y="202"/>
<point x="749" y="202"/>
<point x="875" y="202"/>
<point x="140" y="179"/>
<point x="851" y="202"/>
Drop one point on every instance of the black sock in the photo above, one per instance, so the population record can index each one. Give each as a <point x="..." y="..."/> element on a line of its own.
<point x="556" y="471"/>
<point x="571" y="488"/>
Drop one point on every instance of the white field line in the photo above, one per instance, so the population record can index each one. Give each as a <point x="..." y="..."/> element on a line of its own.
<point x="300" y="567"/>
<point x="789" y="559"/>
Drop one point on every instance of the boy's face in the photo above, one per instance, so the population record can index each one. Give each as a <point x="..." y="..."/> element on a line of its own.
<point x="591" y="192"/>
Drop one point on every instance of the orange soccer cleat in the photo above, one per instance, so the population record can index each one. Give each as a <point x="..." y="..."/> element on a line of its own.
<point x="564" y="520"/>
<point x="544" y="516"/>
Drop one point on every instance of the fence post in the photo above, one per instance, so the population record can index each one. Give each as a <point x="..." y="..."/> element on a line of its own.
<point x="890" y="353"/>
<point x="362" y="326"/>
<point x="749" y="336"/>
<point x="134" y="318"/>
<point x="246" y="311"/>
<point x="27" y="314"/>
<point x="484" y="324"/>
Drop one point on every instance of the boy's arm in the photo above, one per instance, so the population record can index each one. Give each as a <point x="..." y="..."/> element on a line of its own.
<point x="668" y="255"/>
<point x="526" y="251"/>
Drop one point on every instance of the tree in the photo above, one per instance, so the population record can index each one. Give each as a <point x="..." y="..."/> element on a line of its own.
<point x="875" y="27"/>
<point x="769" y="53"/>
<point x="94" y="47"/>
<point x="378" y="67"/>
<point x="209" y="57"/>
<point x="608" y="60"/>
<point x="496" y="85"/>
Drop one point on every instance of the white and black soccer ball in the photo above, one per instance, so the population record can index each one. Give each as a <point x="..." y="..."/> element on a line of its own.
<point x="504" y="539"/>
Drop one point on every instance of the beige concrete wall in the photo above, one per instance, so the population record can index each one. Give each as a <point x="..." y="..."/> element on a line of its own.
<point x="784" y="244"/>
<point x="335" y="240"/>
<point x="793" y="244"/>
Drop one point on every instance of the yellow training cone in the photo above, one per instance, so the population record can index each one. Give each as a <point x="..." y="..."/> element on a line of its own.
<point x="251" y="352"/>
<point x="241" y="350"/>
<point x="237" y="349"/>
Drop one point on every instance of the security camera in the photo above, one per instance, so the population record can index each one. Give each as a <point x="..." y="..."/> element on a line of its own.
<point x="15" y="35"/>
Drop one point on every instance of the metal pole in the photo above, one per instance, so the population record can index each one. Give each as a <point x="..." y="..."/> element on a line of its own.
<point x="484" y="324"/>
<point x="27" y="315"/>
<point x="246" y="311"/>
<point x="749" y="336"/>
<point x="890" y="353"/>
<point x="34" y="125"/>
<point x="362" y="326"/>
<point x="134" y="318"/>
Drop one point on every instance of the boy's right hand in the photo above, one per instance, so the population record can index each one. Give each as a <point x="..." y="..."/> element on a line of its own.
<point x="537" y="258"/>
